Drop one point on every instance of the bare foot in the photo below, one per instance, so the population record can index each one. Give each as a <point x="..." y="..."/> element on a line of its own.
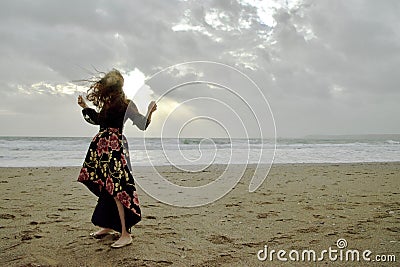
<point x="101" y="233"/>
<point x="104" y="231"/>
<point x="122" y="241"/>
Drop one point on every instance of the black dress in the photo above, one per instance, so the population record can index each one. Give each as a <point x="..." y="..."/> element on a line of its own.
<point x="106" y="170"/>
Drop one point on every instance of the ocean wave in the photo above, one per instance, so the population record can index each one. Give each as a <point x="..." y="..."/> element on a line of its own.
<point x="19" y="151"/>
<point x="392" y="142"/>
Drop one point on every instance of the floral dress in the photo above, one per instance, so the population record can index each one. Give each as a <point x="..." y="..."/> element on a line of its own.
<point x="106" y="170"/>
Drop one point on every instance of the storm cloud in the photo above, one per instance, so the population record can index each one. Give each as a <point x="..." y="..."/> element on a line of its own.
<point x="325" y="67"/>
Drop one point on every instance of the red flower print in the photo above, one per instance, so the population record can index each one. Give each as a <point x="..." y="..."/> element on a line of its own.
<point x="83" y="175"/>
<point x="114" y="142"/>
<point x="135" y="198"/>
<point x="123" y="159"/>
<point x="100" y="182"/>
<point x="124" y="198"/>
<point x="114" y="130"/>
<point x="102" y="146"/>
<point x="110" y="185"/>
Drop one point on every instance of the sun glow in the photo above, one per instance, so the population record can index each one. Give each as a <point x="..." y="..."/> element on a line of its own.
<point x="133" y="81"/>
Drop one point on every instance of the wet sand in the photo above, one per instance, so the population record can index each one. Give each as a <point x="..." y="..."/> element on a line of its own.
<point x="45" y="218"/>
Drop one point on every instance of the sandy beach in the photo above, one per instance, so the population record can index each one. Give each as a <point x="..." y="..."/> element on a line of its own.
<point x="45" y="218"/>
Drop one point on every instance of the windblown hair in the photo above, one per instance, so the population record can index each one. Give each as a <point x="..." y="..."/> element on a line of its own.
<point x="107" y="91"/>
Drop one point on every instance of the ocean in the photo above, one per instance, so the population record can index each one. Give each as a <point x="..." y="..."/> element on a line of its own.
<point x="70" y="151"/>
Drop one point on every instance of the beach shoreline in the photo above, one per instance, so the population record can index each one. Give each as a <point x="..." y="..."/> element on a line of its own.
<point x="45" y="217"/>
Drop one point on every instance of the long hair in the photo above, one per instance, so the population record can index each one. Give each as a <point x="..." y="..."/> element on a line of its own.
<point x="107" y="91"/>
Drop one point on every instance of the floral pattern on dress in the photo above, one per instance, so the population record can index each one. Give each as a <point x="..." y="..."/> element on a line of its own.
<point x="110" y="185"/>
<point x="114" y="142"/>
<point x="107" y="166"/>
<point x="102" y="146"/>
<point x="83" y="175"/>
<point x="123" y="159"/>
<point x="124" y="198"/>
<point x="135" y="198"/>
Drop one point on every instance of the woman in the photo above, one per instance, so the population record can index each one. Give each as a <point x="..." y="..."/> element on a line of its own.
<point x="106" y="170"/>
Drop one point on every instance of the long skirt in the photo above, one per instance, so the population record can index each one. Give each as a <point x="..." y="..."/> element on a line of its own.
<point x="106" y="172"/>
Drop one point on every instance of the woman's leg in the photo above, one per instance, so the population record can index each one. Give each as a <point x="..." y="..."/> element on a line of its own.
<point x="125" y="235"/>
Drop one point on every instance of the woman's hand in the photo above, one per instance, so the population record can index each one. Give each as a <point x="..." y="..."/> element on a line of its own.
<point x="81" y="102"/>
<point x="152" y="107"/>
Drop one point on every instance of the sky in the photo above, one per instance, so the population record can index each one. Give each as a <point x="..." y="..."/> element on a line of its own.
<point x="295" y="67"/>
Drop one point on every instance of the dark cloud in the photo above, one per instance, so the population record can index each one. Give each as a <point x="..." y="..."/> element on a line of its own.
<point x="325" y="67"/>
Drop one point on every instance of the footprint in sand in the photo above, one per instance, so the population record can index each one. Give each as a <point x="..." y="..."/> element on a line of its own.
<point x="65" y="209"/>
<point x="166" y="234"/>
<point x="144" y="262"/>
<point x="6" y="216"/>
<point x="267" y="214"/>
<point x="30" y="234"/>
<point x="150" y="205"/>
<point x="308" y="230"/>
<point x="263" y="202"/>
<point x="219" y="239"/>
<point x="171" y="217"/>
<point x="53" y="216"/>
<point x="393" y="229"/>
<point x="232" y="205"/>
<point x="253" y="244"/>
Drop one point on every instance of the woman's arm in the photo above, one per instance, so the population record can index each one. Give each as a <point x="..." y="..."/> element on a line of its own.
<point x="89" y="114"/>
<point x="142" y="122"/>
